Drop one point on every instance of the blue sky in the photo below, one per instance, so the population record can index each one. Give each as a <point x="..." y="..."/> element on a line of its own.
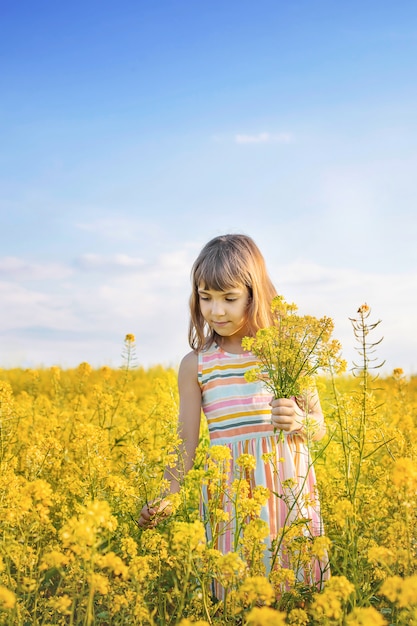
<point x="133" y="132"/>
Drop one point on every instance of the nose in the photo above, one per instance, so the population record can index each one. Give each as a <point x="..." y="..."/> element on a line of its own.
<point x="217" y="308"/>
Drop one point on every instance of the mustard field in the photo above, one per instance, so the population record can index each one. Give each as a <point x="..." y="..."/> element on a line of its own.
<point x="82" y="450"/>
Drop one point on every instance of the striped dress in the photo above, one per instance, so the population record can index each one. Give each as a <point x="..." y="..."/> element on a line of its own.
<point x="239" y="416"/>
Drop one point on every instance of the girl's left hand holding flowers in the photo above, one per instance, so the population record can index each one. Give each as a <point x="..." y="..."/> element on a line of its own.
<point x="286" y="415"/>
<point x="155" y="512"/>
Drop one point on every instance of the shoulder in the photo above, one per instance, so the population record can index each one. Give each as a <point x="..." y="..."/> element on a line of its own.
<point x="190" y="360"/>
<point x="188" y="384"/>
<point x="189" y="366"/>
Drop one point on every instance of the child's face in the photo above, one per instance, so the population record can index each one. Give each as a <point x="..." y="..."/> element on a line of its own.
<point x="225" y="311"/>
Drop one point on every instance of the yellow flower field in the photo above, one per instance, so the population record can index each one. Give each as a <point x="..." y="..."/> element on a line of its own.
<point x="82" y="450"/>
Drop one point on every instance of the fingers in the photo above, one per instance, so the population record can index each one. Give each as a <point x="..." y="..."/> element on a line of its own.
<point x="147" y="517"/>
<point x="283" y="404"/>
<point x="284" y="414"/>
<point x="154" y="512"/>
<point x="283" y="423"/>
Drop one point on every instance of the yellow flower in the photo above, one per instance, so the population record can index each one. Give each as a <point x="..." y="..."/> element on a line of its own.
<point x="82" y="532"/>
<point x="118" y="602"/>
<point x="340" y="586"/>
<point x="290" y="483"/>
<point x="251" y="376"/>
<point x="56" y="372"/>
<point x="291" y="350"/>
<point x="366" y="616"/>
<point x="298" y="617"/>
<point x="247" y="343"/>
<point x="6" y="399"/>
<point x="141" y="612"/>
<point x="320" y="546"/>
<point x="114" y="563"/>
<point x="326" y="605"/>
<point x="7" y="598"/>
<point x="408" y="595"/>
<point x="106" y="372"/>
<point x="282" y="577"/>
<point x="154" y="543"/>
<point x="61" y="604"/>
<point x="84" y="369"/>
<point x="249" y="507"/>
<point x="130" y="338"/>
<point x="220" y="515"/>
<point x="401" y="591"/>
<point x="230" y="567"/>
<point x="187" y="537"/>
<point x="141" y="569"/>
<point x="28" y="584"/>
<point x="398" y="373"/>
<point x="240" y="488"/>
<point x="256" y="530"/>
<point x="99" y="583"/>
<point x="40" y="491"/>
<point x="261" y="494"/>
<point x="256" y="589"/>
<point x="381" y="555"/>
<point x="265" y="616"/>
<point x="219" y="453"/>
<point x="404" y="474"/>
<point x="129" y="547"/>
<point x="343" y="510"/>
<point x="53" y="559"/>
<point x="246" y="462"/>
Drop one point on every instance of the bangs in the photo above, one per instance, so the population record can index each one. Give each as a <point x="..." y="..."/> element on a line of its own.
<point x="220" y="274"/>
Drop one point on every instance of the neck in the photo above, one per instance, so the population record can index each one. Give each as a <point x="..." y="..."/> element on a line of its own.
<point x="230" y="344"/>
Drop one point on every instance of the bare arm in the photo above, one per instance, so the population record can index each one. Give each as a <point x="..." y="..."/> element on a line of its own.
<point x="188" y="418"/>
<point x="188" y="430"/>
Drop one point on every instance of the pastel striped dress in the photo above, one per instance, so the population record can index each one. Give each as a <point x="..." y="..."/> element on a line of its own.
<point x="239" y="417"/>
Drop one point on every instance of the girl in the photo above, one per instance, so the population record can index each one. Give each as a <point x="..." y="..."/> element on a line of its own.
<point x="231" y="298"/>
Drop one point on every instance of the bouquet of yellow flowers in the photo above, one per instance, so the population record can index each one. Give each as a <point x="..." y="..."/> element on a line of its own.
<point x="292" y="350"/>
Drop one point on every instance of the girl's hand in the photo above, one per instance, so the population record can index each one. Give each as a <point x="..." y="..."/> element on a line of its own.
<point x="154" y="512"/>
<point x="286" y="415"/>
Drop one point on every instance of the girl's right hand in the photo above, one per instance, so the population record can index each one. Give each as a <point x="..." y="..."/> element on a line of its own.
<point x="154" y="512"/>
<point x="286" y="415"/>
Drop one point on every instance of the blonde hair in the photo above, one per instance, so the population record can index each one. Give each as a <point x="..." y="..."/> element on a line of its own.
<point x="224" y="263"/>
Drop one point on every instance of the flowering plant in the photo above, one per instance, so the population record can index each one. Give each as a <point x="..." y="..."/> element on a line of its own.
<point x="292" y="350"/>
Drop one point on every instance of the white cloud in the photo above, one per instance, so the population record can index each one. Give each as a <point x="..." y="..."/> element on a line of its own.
<point x="263" y="138"/>
<point x="15" y="268"/>
<point x="323" y="290"/>
<point x="87" y="318"/>
<point x="24" y="307"/>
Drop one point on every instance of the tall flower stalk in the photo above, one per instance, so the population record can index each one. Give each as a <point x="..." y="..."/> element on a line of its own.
<point x="360" y="442"/>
